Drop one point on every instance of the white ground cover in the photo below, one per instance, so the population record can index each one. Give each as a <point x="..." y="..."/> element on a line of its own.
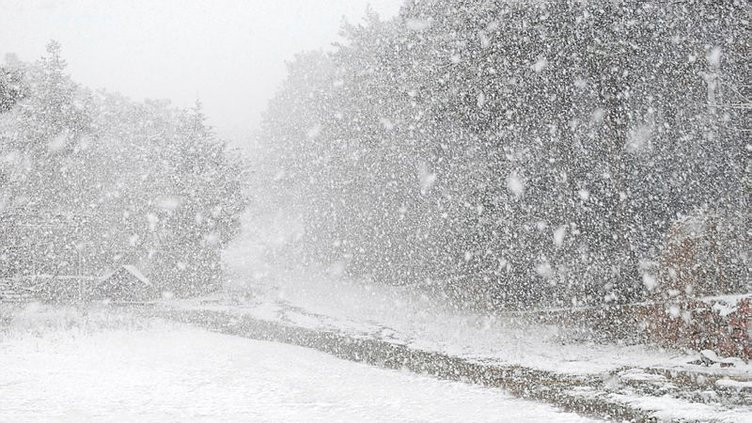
<point x="63" y="366"/>
<point x="404" y="316"/>
<point x="396" y="314"/>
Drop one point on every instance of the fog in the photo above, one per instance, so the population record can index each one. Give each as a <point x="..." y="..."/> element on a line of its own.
<point x="229" y="54"/>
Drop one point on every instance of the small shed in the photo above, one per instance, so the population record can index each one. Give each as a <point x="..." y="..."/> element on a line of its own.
<point x="126" y="284"/>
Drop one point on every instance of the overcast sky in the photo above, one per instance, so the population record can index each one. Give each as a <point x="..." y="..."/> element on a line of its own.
<point x="230" y="54"/>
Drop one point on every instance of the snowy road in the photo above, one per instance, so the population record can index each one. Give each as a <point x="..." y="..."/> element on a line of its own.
<point x="165" y="372"/>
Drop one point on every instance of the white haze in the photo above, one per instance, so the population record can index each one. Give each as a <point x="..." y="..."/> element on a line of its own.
<point x="229" y="54"/>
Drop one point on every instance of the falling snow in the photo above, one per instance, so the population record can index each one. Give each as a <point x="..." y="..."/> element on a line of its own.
<point x="547" y="199"/>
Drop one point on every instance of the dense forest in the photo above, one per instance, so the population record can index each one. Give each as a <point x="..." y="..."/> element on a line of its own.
<point x="517" y="153"/>
<point x="92" y="180"/>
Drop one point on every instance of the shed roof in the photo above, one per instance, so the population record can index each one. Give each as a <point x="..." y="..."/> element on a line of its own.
<point x="132" y="270"/>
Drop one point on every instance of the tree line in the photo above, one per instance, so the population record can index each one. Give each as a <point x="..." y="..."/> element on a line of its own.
<point x="93" y="180"/>
<point x="517" y="153"/>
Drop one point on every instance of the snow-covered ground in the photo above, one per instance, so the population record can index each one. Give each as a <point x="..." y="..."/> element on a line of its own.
<point x="62" y="365"/>
<point x="407" y="317"/>
<point x="404" y="316"/>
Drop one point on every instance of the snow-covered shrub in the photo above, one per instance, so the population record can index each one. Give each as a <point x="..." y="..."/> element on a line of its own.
<point x="723" y="325"/>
